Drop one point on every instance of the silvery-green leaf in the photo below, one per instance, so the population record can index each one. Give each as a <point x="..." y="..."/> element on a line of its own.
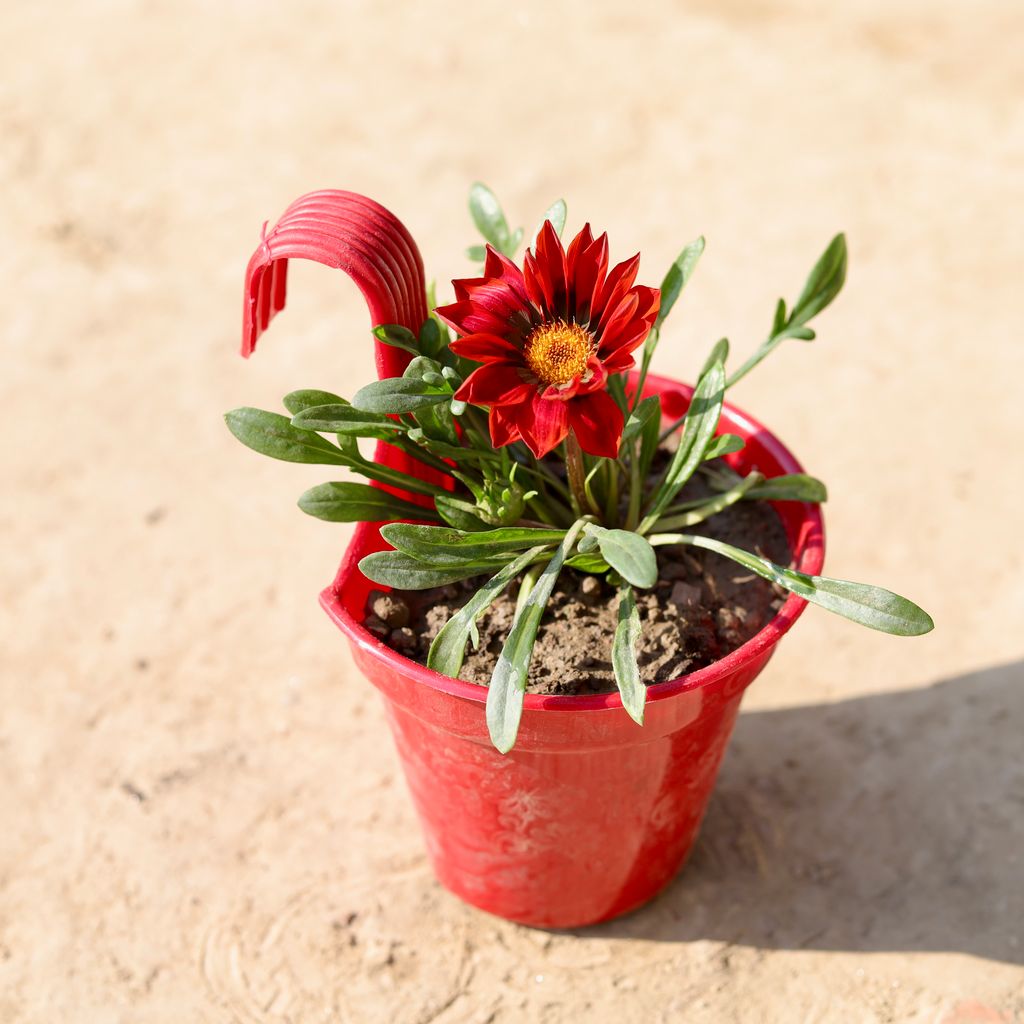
<point x="698" y="429"/>
<point x="488" y="217"/>
<point x="441" y="545"/>
<point x="399" y="570"/>
<point x="624" y="664"/>
<point x="343" y="502"/>
<point x="508" y="681"/>
<point x="296" y="401"/>
<point x="271" y="434"/>
<point x="629" y="554"/>
<point x="344" y="419"/>
<point x="449" y="646"/>
<point x="395" y="395"/>
<point x="869" y="606"/>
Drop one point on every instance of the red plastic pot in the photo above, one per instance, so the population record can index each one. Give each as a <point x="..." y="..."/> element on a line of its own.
<point x="590" y="815"/>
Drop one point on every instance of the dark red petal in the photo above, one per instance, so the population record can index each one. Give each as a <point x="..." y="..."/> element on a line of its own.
<point x="577" y="247"/>
<point x="538" y="288"/>
<point x="486" y="348"/>
<point x="501" y="268"/>
<point x="590" y="274"/>
<point x="621" y="360"/>
<point x="503" y="426"/>
<point x="551" y="263"/>
<point x="468" y="318"/>
<point x="620" y="279"/>
<point x="616" y="323"/>
<point x="543" y="423"/>
<point x="493" y="384"/>
<point x="597" y="422"/>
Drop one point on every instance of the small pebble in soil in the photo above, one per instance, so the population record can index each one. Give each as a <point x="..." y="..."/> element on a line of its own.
<point x="390" y="609"/>
<point x="377" y="626"/>
<point x="404" y="639"/>
<point x="590" y="590"/>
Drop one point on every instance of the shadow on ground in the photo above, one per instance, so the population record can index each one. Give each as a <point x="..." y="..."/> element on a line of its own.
<point x="889" y="822"/>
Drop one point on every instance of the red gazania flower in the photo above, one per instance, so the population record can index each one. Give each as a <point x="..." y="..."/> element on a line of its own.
<point x="548" y="336"/>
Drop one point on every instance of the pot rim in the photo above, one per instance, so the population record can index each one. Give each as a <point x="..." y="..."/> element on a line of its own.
<point x="809" y="552"/>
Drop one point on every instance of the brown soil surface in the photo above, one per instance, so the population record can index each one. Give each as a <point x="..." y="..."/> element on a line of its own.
<point x="703" y="607"/>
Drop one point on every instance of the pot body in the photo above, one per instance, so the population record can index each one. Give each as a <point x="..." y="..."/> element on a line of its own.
<point x="590" y="815"/>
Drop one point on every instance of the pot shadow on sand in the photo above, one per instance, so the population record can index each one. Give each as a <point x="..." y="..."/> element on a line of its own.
<point x="888" y="822"/>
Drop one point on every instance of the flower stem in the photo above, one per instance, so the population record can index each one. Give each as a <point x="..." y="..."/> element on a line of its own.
<point x="577" y="474"/>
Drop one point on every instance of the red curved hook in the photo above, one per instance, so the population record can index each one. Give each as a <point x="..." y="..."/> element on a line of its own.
<point x="351" y="233"/>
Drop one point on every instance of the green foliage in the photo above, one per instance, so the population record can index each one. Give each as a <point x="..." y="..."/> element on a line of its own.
<point x="499" y="515"/>
<point x="624" y="664"/>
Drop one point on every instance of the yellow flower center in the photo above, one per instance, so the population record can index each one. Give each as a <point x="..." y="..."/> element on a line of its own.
<point x="557" y="352"/>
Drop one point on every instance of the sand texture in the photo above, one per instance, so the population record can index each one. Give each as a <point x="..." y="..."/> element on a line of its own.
<point x="201" y="814"/>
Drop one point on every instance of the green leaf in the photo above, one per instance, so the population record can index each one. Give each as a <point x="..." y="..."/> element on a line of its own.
<point x="723" y="444"/>
<point x="449" y="647"/>
<point x="431" y="340"/>
<point x="824" y="282"/>
<point x="649" y="408"/>
<point x="458" y="513"/>
<point x="399" y="570"/>
<point x="629" y="554"/>
<point x="343" y="419"/>
<point x="627" y="672"/>
<point x="397" y="336"/>
<point x="590" y="562"/>
<point x="792" y="487"/>
<point x="487" y="215"/>
<point x="395" y="395"/>
<point x="357" y="503"/>
<point x="296" y="401"/>
<point x="719" y="354"/>
<point x="678" y="274"/>
<point x="556" y="213"/>
<point x="780" y="317"/>
<point x="441" y="545"/>
<point x="698" y="429"/>
<point x="477" y="253"/>
<point x="271" y="434"/>
<point x="508" y="681"/>
<point x="869" y="606"/>
<point x="712" y="506"/>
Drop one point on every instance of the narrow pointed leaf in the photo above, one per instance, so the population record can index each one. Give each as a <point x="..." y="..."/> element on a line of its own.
<point x="441" y="545"/>
<point x="792" y="487"/>
<point x="867" y="605"/>
<point x="719" y="354"/>
<point x="678" y="274"/>
<point x="723" y="444"/>
<point x="698" y="429"/>
<point x="556" y="213"/>
<point x="824" y="282"/>
<point x="624" y="664"/>
<point x="508" y="681"/>
<point x="449" y="646"/>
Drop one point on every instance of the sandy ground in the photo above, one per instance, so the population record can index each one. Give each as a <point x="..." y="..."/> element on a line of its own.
<point x="202" y="816"/>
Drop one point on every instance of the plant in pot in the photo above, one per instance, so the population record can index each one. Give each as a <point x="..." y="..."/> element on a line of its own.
<point x="566" y="571"/>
